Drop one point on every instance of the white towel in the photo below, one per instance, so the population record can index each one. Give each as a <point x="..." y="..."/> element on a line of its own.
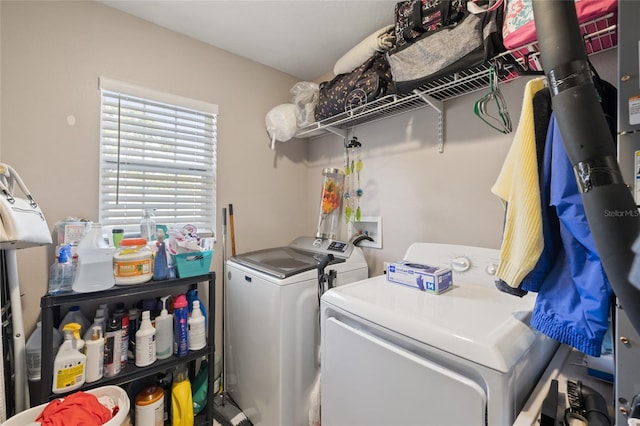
<point x="380" y="41"/>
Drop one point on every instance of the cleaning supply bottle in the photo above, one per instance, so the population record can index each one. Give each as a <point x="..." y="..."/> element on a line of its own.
<point x="181" y="326"/>
<point x="181" y="398"/>
<point x="163" y="379"/>
<point x="112" y="344"/>
<point x="75" y="315"/>
<point x="105" y="311"/>
<point x="160" y="267"/>
<point x="68" y="366"/>
<point x="123" y="316"/>
<point x="33" y="350"/>
<point x="62" y="272"/>
<point x="147" y="226"/>
<point x="150" y="407"/>
<point x="98" y="321"/>
<point x="75" y="330"/>
<point x="197" y="333"/>
<point x="134" y="321"/>
<point x="193" y="295"/>
<point x="145" y="342"/>
<point x="95" y="262"/>
<point x="164" y="332"/>
<point x="95" y="355"/>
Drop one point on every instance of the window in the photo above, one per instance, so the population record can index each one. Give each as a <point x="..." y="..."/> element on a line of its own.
<point x="157" y="152"/>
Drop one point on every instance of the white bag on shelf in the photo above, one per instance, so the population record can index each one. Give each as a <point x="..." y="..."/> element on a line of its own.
<point x="281" y="123"/>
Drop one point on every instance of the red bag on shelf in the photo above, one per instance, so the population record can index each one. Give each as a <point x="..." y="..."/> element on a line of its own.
<point x="519" y="28"/>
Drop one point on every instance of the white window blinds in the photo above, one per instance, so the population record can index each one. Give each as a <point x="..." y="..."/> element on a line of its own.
<point x="156" y="154"/>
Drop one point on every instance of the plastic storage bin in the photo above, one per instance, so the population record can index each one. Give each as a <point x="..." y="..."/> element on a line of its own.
<point x="119" y="396"/>
<point x="193" y="264"/>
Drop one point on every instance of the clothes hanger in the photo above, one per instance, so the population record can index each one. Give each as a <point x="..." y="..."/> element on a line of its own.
<point x="500" y="121"/>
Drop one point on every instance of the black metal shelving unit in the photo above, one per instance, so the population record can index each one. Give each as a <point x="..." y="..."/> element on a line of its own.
<point x="51" y="306"/>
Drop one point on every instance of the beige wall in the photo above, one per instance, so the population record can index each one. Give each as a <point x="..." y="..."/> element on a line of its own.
<point x="53" y="53"/>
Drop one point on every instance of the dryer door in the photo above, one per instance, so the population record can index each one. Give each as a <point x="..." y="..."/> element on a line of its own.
<point x="370" y="381"/>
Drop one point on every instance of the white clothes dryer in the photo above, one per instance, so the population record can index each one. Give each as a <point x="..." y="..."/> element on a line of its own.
<point x="273" y="325"/>
<point x="394" y="355"/>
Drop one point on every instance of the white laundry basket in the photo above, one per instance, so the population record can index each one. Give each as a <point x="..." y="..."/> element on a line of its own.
<point x="28" y="417"/>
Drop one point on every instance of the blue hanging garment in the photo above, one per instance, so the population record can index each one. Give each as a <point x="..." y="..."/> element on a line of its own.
<point x="574" y="294"/>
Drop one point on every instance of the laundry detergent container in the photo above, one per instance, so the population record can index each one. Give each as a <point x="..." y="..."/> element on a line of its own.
<point x="28" y="417"/>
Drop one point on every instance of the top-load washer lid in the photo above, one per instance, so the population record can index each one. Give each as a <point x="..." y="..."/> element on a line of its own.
<point x="471" y="321"/>
<point x="281" y="262"/>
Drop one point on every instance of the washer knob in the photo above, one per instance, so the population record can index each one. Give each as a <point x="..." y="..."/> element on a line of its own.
<point x="491" y="268"/>
<point x="461" y="264"/>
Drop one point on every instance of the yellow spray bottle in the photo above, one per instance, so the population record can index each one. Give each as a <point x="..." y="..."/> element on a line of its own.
<point x="69" y="364"/>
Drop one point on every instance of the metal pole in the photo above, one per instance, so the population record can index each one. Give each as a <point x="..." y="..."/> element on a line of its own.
<point x="17" y="324"/>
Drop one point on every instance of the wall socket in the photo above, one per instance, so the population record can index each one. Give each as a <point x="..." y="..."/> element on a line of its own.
<point x="370" y="226"/>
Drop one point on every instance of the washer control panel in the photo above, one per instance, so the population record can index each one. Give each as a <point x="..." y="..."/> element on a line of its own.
<point x="323" y="246"/>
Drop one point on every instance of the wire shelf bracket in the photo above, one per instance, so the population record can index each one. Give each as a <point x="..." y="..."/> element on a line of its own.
<point x="439" y="107"/>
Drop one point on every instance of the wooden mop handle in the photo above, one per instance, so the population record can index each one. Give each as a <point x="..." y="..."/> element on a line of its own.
<point x="231" y="231"/>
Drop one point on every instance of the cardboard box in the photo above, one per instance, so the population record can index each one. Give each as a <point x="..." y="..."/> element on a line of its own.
<point x="431" y="279"/>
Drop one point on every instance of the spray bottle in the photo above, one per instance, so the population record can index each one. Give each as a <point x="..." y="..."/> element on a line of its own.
<point x="147" y="226"/>
<point x="69" y="365"/>
<point x="160" y="267"/>
<point x="75" y="331"/>
<point x="164" y="331"/>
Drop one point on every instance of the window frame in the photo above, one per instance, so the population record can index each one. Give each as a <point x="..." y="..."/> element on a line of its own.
<point x="203" y="173"/>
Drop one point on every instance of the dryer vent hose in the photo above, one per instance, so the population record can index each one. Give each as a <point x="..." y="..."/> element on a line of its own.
<point x="590" y="147"/>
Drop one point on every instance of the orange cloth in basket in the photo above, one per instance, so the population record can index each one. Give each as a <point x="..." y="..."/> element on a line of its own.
<point x="77" y="409"/>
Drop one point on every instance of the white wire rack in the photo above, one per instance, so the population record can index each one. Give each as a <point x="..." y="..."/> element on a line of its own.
<point x="600" y="34"/>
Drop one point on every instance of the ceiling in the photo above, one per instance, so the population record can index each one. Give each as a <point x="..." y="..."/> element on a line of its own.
<point x="303" y="38"/>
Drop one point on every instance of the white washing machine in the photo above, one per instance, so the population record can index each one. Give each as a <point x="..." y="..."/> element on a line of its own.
<point x="273" y="325"/>
<point x="394" y="355"/>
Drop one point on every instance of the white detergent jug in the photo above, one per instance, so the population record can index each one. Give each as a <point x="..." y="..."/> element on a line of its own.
<point x="95" y="262"/>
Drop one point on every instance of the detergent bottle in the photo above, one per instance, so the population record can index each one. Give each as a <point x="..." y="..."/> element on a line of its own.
<point x="181" y="398"/>
<point x="34" y="350"/>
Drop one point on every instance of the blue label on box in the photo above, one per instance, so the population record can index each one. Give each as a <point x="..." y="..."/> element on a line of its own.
<point x="424" y="277"/>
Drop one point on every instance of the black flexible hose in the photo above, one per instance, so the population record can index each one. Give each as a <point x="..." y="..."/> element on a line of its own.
<point x="609" y="206"/>
<point x="595" y="406"/>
